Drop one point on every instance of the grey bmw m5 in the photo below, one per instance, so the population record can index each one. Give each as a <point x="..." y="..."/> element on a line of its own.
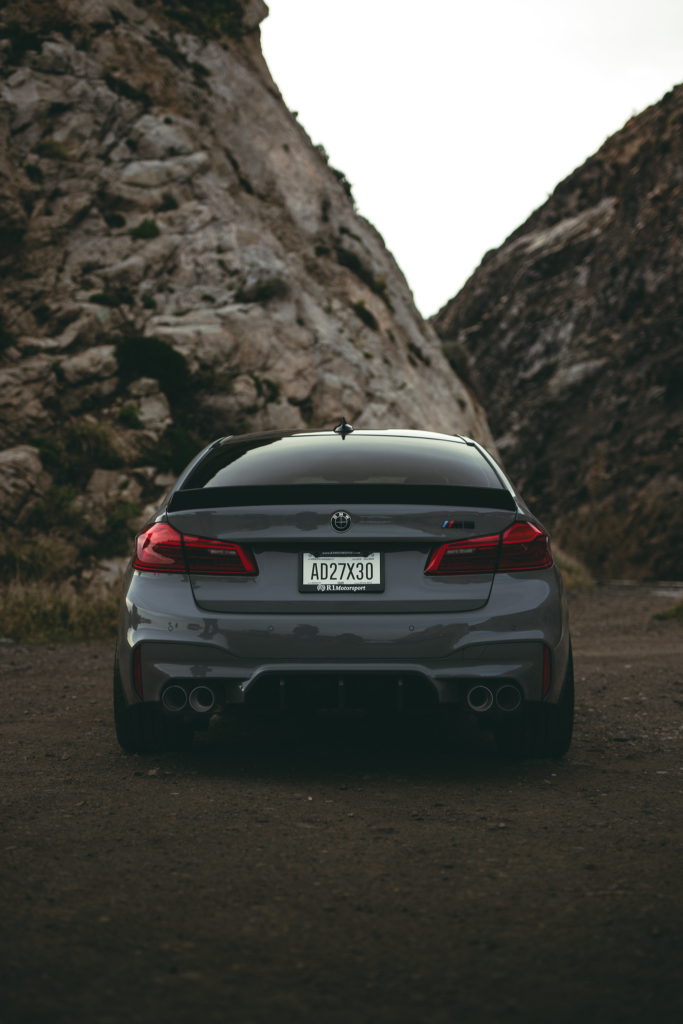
<point x="390" y="572"/>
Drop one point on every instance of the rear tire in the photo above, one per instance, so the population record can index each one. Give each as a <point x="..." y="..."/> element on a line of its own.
<point x="541" y="730"/>
<point x="144" y="728"/>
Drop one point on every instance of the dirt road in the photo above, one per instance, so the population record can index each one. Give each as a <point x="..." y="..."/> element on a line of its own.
<point x="339" y="879"/>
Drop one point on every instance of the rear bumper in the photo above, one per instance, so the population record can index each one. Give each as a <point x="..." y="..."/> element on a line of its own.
<point x="343" y="684"/>
<point x="441" y="656"/>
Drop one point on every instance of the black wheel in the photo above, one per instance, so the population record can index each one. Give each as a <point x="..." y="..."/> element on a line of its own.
<point x="144" y="728"/>
<point x="541" y="730"/>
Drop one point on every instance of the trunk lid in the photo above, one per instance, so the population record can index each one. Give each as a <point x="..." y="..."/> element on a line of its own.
<point x="280" y="535"/>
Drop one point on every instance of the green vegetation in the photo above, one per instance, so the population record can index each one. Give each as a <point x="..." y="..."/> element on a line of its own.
<point x="118" y="534"/>
<point x="40" y="613"/>
<point x="146" y="229"/>
<point x="72" y="456"/>
<point x="676" y="612"/>
<point x="264" y="291"/>
<point x="53" y="150"/>
<point x="176" y="447"/>
<point x="151" y="357"/>
<point x="56" y="509"/>
<point x="344" y="182"/>
<point x="33" y="560"/>
<point x="207" y="17"/>
<point x="129" y="417"/>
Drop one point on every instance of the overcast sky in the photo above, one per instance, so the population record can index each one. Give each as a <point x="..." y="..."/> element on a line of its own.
<point x="454" y="119"/>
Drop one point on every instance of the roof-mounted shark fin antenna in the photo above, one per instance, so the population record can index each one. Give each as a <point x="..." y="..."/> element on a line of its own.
<point x="344" y="428"/>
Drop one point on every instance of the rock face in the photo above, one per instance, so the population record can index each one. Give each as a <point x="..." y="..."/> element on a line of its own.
<point x="178" y="261"/>
<point x="21" y="479"/>
<point x="571" y="335"/>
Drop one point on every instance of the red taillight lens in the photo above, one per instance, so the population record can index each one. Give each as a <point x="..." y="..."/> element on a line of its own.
<point x="464" y="556"/>
<point x="546" y="670"/>
<point x="159" y="549"/>
<point x="137" y="671"/>
<point x="524" y="547"/>
<point x="203" y="555"/>
<point x="163" y="549"/>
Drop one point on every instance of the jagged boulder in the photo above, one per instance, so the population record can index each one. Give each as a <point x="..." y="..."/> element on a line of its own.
<point x="571" y="335"/>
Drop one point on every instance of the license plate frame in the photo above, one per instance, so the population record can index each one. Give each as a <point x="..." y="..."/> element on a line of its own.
<point x="343" y="583"/>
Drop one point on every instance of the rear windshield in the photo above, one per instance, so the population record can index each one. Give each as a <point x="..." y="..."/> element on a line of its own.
<point x="358" y="459"/>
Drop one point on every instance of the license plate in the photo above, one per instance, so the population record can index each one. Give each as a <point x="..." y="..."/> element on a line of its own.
<point x="341" y="572"/>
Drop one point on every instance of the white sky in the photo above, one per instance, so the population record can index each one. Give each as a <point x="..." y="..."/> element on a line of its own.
<point x="454" y="119"/>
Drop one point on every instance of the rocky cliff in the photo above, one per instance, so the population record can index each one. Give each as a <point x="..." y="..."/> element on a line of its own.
<point x="571" y="335"/>
<point x="177" y="262"/>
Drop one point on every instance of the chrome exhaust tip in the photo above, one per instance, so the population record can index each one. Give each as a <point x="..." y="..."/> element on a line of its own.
<point x="508" y="698"/>
<point x="480" y="698"/>
<point x="202" y="699"/>
<point x="174" y="698"/>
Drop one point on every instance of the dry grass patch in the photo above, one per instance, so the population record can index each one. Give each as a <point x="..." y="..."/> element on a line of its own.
<point x="676" y="612"/>
<point x="575" y="575"/>
<point x="39" y="613"/>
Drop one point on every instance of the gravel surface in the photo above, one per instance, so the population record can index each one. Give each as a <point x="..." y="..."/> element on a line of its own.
<point x="344" y="875"/>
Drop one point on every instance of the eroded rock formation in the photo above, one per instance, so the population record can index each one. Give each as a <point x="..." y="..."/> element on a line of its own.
<point x="571" y="335"/>
<point x="179" y="262"/>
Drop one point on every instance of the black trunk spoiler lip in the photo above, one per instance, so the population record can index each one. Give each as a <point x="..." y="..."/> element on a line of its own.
<point x="340" y="495"/>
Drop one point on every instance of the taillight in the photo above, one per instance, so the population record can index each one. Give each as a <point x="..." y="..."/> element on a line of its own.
<point x="137" y="671"/>
<point x="163" y="549"/>
<point x="218" y="557"/>
<point x="524" y="547"/>
<point x="159" y="549"/>
<point x="464" y="556"/>
<point x="546" y="670"/>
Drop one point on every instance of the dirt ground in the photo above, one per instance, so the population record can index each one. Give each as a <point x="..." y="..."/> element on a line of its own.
<point x="340" y="878"/>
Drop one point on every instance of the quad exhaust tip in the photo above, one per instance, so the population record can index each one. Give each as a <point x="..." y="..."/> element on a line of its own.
<point x="508" y="698"/>
<point x="202" y="699"/>
<point x="174" y="698"/>
<point x="480" y="698"/>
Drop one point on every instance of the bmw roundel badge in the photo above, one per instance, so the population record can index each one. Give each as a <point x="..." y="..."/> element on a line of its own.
<point x="340" y="521"/>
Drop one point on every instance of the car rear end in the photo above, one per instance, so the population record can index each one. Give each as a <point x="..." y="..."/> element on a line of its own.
<point x="391" y="572"/>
